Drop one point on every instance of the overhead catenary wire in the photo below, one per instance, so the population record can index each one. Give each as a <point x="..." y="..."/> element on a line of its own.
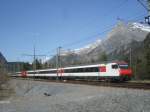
<point x="100" y="33"/>
<point x="136" y="18"/>
<point x="89" y="37"/>
<point x="140" y="1"/>
<point x="95" y="35"/>
<point x="117" y="7"/>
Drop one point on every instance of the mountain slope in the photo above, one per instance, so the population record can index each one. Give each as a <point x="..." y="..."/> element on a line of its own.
<point x="2" y="59"/>
<point x="119" y="38"/>
<point x="140" y="57"/>
<point x="123" y="34"/>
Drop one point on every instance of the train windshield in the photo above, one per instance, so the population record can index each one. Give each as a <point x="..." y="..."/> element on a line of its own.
<point x="123" y="66"/>
<point x="114" y="66"/>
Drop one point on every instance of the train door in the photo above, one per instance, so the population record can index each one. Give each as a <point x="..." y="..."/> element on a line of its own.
<point x="24" y="74"/>
<point x="60" y="72"/>
<point x="102" y="70"/>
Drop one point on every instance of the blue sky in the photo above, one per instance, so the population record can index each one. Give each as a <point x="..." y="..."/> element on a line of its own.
<point x="52" y="23"/>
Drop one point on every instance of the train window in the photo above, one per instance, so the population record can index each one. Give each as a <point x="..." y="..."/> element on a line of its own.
<point x="32" y="72"/>
<point x="77" y="70"/>
<point x="86" y="69"/>
<point x="91" y="69"/>
<point x="123" y="66"/>
<point x="68" y="70"/>
<point x="43" y="72"/>
<point x="80" y="70"/>
<point x="53" y="71"/>
<point x="114" y="66"/>
<point x="47" y="72"/>
<point x="95" y="69"/>
<point x="74" y="70"/>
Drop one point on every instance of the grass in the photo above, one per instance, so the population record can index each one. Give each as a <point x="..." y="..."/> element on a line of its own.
<point x="5" y="91"/>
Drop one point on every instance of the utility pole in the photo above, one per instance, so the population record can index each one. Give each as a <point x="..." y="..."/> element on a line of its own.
<point x="58" y="60"/>
<point x="34" y="58"/>
<point x="130" y="58"/>
<point x="34" y="63"/>
<point x="59" y="51"/>
<point x="18" y="65"/>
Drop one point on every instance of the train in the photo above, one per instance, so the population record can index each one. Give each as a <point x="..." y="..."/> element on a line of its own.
<point x="114" y="71"/>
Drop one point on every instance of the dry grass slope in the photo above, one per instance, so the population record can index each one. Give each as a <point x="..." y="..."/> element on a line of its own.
<point x="4" y="85"/>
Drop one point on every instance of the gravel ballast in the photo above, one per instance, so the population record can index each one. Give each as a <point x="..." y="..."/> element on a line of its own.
<point x="35" y="96"/>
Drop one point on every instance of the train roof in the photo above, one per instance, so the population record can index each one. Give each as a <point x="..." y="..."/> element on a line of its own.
<point x="81" y="66"/>
<point x="97" y="64"/>
<point x="42" y="70"/>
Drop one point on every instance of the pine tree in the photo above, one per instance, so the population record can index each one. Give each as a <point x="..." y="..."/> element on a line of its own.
<point x="147" y="54"/>
<point x="103" y="57"/>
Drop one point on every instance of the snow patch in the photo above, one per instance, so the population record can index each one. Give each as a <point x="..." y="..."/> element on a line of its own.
<point x="82" y="50"/>
<point x="143" y="27"/>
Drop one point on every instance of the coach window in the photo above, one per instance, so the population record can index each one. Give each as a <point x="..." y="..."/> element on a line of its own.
<point x="73" y="70"/>
<point x="43" y="72"/>
<point x="86" y="69"/>
<point x="114" y="66"/>
<point x="90" y="69"/>
<point x="53" y="71"/>
<point x="69" y="71"/>
<point x="77" y="70"/>
<point x="95" y="69"/>
<point x="66" y="71"/>
<point x="80" y="70"/>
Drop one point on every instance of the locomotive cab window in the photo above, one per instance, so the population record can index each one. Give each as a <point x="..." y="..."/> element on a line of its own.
<point x="114" y="66"/>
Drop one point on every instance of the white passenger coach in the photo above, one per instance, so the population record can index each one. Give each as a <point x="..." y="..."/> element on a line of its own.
<point x="114" y="71"/>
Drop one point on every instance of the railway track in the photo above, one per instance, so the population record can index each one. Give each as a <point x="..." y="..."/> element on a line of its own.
<point x="145" y="86"/>
<point x="131" y="85"/>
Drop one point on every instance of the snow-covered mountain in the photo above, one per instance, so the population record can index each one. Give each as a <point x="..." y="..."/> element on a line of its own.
<point x="140" y="26"/>
<point x="117" y="39"/>
<point x="83" y="50"/>
<point x="121" y="34"/>
<point x="88" y="48"/>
